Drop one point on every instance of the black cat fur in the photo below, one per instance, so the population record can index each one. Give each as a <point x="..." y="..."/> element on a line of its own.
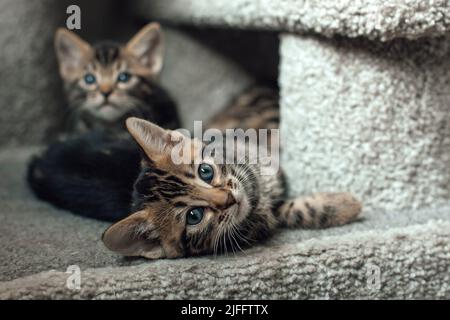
<point x="91" y="175"/>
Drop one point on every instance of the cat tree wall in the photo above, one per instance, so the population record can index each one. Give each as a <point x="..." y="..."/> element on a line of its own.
<point x="369" y="117"/>
<point x="364" y="106"/>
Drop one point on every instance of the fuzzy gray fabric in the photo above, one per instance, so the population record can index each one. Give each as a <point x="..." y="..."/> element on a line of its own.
<point x="386" y="255"/>
<point x="365" y="117"/>
<point x="28" y="69"/>
<point x="375" y="19"/>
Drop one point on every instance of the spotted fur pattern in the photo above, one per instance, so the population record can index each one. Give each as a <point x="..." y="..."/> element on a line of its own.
<point x="108" y="101"/>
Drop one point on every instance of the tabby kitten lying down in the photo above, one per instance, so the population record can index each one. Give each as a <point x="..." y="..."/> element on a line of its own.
<point x="203" y="207"/>
<point x="109" y="82"/>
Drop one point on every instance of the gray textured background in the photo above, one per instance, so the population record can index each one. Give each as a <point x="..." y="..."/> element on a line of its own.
<point x="367" y="117"/>
<point x="29" y="90"/>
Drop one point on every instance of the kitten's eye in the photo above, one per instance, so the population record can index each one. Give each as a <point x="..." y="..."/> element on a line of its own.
<point x="123" y="77"/>
<point x="194" y="216"/>
<point x="206" y="172"/>
<point x="89" y="78"/>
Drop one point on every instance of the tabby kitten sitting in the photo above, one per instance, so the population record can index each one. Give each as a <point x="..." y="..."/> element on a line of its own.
<point x="108" y="82"/>
<point x="202" y="207"/>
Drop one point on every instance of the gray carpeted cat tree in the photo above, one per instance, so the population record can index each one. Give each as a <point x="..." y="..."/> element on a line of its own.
<point x="365" y="93"/>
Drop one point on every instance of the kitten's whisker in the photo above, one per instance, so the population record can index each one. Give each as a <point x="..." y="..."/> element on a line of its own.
<point x="217" y="240"/>
<point x="225" y="243"/>
<point x="234" y="233"/>
<point x="229" y="234"/>
<point x="242" y="237"/>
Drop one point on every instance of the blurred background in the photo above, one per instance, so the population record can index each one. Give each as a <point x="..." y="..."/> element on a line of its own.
<point x="203" y="69"/>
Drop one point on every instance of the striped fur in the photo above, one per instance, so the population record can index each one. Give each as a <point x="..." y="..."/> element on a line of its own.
<point x="320" y="210"/>
<point x="165" y="192"/>
<point x="106" y="103"/>
<point x="256" y="108"/>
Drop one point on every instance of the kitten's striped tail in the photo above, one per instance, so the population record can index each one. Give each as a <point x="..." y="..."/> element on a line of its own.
<point x="320" y="210"/>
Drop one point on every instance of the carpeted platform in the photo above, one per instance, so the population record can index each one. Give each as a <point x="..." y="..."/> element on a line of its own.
<point x="409" y="252"/>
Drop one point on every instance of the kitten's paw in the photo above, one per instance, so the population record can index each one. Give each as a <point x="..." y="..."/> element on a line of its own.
<point x="320" y="210"/>
<point x="340" y="208"/>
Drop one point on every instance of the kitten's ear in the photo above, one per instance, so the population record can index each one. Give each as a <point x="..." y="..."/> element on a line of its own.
<point x="154" y="140"/>
<point x="73" y="53"/>
<point x="147" y="46"/>
<point x="134" y="236"/>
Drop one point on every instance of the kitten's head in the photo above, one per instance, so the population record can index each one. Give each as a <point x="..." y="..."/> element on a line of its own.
<point x="108" y="80"/>
<point x="185" y="209"/>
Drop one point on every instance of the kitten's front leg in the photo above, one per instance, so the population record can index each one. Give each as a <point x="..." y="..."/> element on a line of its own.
<point x="320" y="210"/>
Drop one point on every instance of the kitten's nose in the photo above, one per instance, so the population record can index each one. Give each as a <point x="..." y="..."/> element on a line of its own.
<point x="106" y="94"/>
<point x="105" y="89"/>
<point x="218" y="198"/>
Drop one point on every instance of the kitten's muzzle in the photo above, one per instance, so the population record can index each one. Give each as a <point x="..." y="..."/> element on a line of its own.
<point x="221" y="199"/>
<point x="230" y="201"/>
